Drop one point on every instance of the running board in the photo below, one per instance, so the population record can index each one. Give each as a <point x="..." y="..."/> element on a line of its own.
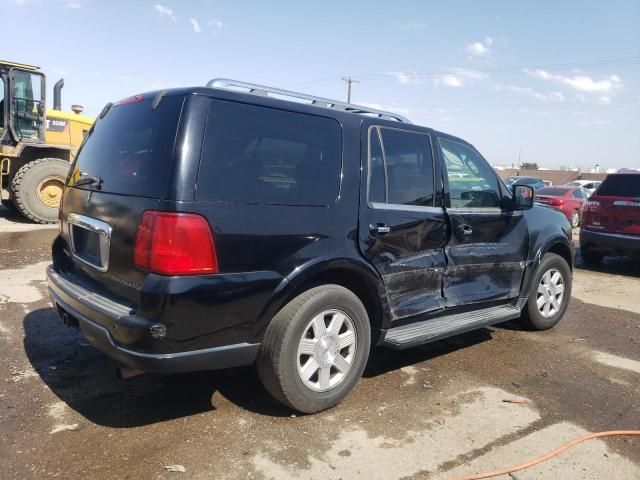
<point x="407" y="336"/>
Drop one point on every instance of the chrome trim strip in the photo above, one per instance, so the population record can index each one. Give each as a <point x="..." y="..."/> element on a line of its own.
<point x="103" y="229"/>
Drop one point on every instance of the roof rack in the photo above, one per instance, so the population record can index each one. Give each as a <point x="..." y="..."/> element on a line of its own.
<point x="263" y="90"/>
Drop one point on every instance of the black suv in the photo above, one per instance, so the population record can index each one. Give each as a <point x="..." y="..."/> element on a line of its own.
<point x="212" y="227"/>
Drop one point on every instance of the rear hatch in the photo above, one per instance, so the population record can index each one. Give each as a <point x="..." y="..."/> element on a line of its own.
<point x="124" y="168"/>
<point x="615" y="206"/>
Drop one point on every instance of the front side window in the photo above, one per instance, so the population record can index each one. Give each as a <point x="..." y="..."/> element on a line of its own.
<point x="406" y="169"/>
<point x="472" y="183"/>
<point x="262" y="155"/>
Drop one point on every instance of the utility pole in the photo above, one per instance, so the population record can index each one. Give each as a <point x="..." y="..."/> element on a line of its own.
<point x="349" y="81"/>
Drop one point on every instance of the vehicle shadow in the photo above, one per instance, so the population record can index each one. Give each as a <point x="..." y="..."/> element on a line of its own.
<point x="627" y="266"/>
<point x="13" y="216"/>
<point x="85" y="379"/>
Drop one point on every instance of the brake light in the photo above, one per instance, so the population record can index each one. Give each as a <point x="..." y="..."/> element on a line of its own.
<point x="60" y="214"/>
<point x="134" y="99"/>
<point x="175" y="244"/>
<point x="556" y="202"/>
<point x="591" y="206"/>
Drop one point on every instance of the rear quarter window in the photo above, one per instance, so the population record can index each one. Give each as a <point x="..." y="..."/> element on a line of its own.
<point x="620" y="186"/>
<point x="131" y="148"/>
<point x="262" y="155"/>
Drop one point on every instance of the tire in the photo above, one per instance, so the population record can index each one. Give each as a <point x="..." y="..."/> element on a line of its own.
<point x="280" y="362"/>
<point x="30" y="185"/>
<point x="590" y="257"/>
<point x="575" y="219"/>
<point x="535" y="317"/>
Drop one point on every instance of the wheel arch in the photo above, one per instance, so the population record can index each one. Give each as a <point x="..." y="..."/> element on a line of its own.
<point x="357" y="276"/>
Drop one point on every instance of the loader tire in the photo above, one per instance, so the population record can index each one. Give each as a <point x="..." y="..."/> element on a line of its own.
<point x="37" y="189"/>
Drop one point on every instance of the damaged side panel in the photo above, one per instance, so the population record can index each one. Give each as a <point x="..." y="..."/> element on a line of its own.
<point x="488" y="263"/>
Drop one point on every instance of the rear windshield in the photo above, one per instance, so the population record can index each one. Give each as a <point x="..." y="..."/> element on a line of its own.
<point x="553" y="192"/>
<point x="255" y="154"/>
<point x="131" y="148"/>
<point x="620" y="186"/>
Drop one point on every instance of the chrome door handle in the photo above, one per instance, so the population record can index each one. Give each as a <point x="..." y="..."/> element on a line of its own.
<point x="464" y="230"/>
<point x="380" y="228"/>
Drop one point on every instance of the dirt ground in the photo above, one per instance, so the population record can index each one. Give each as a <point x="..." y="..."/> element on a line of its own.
<point x="428" y="413"/>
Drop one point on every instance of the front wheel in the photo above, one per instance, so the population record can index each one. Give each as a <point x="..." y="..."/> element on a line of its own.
<point x="315" y="349"/>
<point x="575" y="219"/>
<point x="549" y="295"/>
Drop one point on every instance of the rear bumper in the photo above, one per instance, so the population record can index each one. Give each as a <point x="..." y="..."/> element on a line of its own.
<point x="609" y="242"/>
<point x="90" y="312"/>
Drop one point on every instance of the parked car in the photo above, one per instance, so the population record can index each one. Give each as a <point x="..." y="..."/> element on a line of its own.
<point x="568" y="200"/>
<point x="589" y="185"/>
<point x="611" y="219"/>
<point x="206" y="228"/>
<point x="534" y="182"/>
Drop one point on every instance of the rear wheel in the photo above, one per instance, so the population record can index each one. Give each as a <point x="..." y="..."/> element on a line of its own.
<point x="575" y="219"/>
<point x="549" y="295"/>
<point x="315" y="349"/>
<point x="37" y="189"/>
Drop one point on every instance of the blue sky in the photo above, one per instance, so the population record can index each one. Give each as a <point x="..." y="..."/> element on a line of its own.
<point x="558" y="81"/>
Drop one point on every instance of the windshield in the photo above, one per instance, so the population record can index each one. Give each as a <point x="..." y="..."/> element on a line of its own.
<point x="130" y="150"/>
<point x="28" y="104"/>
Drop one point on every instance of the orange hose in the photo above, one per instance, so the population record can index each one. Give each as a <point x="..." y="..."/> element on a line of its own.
<point x="547" y="456"/>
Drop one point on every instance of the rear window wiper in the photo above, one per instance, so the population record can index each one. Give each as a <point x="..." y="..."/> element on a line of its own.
<point x="89" y="180"/>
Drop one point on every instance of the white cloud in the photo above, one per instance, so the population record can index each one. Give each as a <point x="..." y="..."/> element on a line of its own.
<point x="459" y="77"/>
<point x="479" y="49"/>
<point x="545" y="97"/>
<point x="164" y="11"/>
<point x="74" y="5"/>
<point x="387" y="108"/>
<point x="195" y="25"/>
<point x="406" y="78"/>
<point x="581" y="83"/>
<point x="215" y="25"/>
<point x="604" y="100"/>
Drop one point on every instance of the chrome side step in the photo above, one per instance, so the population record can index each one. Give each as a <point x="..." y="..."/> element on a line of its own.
<point x="418" y="333"/>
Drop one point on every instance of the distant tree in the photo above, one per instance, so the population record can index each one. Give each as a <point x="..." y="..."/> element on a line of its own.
<point x="529" y="166"/>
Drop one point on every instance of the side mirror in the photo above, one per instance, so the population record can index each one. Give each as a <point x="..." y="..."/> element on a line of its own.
<point x="522" y="197"/>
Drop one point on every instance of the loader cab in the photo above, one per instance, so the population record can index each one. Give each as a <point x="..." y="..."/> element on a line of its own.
<point x="22" y="104"/>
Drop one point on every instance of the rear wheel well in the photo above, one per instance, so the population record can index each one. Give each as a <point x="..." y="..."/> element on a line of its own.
<point x="563" y="250"/>
<point x="363" y="289"/>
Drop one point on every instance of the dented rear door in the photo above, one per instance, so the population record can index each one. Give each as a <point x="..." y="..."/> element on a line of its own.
<point x="402" y="231"/>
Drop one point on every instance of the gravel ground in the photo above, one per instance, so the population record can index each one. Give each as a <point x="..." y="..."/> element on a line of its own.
<point x="429" y="412"/>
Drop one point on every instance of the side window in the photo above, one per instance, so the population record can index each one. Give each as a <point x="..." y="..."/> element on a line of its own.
<point x="406" y="170"/>
<point x="472" y="183"/>
<point x="577" y="193"/>
<point x="263" y="155"/>
<point x="2" y="104"/>
<point x="377" y="188"/>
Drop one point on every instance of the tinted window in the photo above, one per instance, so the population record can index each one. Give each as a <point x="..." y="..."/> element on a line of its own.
<point x="262" y="155"/>
<point x="577" y="193"/>
<point x="472" y="183"/>
<point x="620" y="186"/>
<point x="552" y="191"/>
<point x="131" y="148"/>
<point x="376" y="168"/>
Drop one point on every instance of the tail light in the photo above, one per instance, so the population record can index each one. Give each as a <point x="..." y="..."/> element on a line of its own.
<point x="591" y="206"/>
<point x="175" y="244"/>
<point x="556" y="202"/>
<point x="60" y="213"/>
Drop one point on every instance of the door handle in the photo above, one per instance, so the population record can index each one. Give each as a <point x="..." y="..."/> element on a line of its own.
<point x="380" y="228"/>
<point x="464" y="230"/>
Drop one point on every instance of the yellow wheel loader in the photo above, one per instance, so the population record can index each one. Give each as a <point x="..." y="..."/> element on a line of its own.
<point x="36" y="144"/>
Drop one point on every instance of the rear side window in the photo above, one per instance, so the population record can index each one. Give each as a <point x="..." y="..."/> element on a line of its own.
<point x="263" y="155"/>
<point x="554" y="192"/>
<point x="405" y="175"/>
<point x="131" y="148"/>
<point x="620" y="186"/>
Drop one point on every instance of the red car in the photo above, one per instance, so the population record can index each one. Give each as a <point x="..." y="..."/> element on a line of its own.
<point x="568" y="200"/>
<point x="611" y="219"/>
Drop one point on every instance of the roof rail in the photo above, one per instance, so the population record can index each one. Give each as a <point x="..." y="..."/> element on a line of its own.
<point x="263" y="90"/>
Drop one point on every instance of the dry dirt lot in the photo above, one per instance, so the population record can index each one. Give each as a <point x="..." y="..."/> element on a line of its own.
<point x="431" y="412"/>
